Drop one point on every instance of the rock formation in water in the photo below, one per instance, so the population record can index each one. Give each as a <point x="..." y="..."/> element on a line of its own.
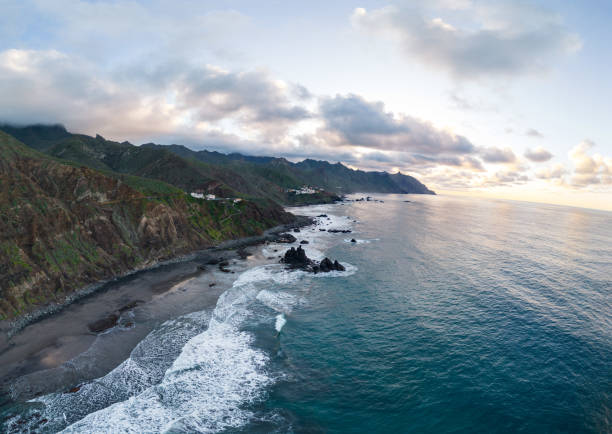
<point x="296" y="258"/>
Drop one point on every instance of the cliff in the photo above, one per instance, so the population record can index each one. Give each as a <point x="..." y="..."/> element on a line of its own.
<point x="64" y="226"/>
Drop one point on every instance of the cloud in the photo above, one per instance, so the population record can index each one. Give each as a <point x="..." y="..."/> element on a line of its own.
<point x="461" y="102"/>
<point x="216" y="93"/>
<point x="477" y="39"/>
<point x="50" y="86"/>
<point x="505" y="177"/>
<point x="362" y="123"/>
<point x="206" y="106"/>
<point x="538" y="155"/>
<point x="121" y="30"/>
<point x="556" y="171"/>
<point x="589" y="169"/>
<point x="531" y="132"/>
<point x="497" y="155"/>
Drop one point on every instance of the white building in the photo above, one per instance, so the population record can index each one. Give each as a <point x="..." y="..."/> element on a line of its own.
<point x="305" y="190"/>
<point x="202" y="196"/>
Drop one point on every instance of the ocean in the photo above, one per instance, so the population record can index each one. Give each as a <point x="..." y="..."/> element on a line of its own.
<point x="453" y="315"/>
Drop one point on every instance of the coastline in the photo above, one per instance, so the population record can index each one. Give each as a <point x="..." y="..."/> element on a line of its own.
<point x="14" y="326"/>
<point x="191" y="319"/>
<point x="47" y="338"/>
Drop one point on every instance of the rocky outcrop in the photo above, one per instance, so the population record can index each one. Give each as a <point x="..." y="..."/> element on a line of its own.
<point x="296" y="258"/>
<point x="326" y="265"/>
<point x="285" y="239"/>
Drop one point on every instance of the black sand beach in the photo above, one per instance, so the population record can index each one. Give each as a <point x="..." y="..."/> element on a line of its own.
<point x="64" y="348"/>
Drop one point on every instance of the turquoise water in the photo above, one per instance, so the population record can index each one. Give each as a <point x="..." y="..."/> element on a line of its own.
<point x="465" y="316"/>
<point x="454" y="315"/>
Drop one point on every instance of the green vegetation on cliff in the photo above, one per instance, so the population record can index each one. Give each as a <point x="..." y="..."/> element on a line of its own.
<point x="65" y="226"/>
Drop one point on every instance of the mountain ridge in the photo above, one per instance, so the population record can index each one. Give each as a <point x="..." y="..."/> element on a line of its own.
<point x="255" y="176"/>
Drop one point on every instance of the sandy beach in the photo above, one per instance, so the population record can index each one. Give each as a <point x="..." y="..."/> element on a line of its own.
<point x="93" y="334"/>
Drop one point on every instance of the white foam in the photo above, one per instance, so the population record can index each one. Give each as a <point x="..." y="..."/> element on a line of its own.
<point x="280" y="322"/>
<point x="145" y="367"/>
<point x="186" y="377"/>
<point x="278" y="301"/>
<point x="217" y="372"/>
<point x="357" y="241"/>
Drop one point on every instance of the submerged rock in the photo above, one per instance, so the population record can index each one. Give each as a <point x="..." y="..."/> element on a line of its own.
<point x="286" y="239"/>
<point x="131" y="305"/>
<point x="214" y="261"/>
<point x="353" y="240"/>
<point x="304" y="242"/>
<point x="103" y="324"/>
<point x="223" y="265"/>
<point x="243" y="254"/>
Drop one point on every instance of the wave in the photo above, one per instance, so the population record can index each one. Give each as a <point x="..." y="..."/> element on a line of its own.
<point x="197" y="373"/>
<point x="358" y="241"/>
<point x="280" y="322"/>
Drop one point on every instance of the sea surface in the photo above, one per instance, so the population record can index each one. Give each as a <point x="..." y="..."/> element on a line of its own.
<point x="454" y="315"/>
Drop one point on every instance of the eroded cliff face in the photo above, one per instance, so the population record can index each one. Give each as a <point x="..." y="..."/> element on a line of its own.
<point x="63" y="227"/>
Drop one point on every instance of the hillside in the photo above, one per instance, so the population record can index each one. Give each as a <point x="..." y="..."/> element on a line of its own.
<point x="335" y="178"/>
<point x="65" y="225"/>
<point x="155" y="163"/>
<point x="222" y="174"/>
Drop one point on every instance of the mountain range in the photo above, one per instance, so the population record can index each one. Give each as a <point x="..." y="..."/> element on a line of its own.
<point x="223" y="174"/>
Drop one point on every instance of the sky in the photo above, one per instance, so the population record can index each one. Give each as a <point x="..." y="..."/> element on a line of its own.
<point x="495" y="98"/>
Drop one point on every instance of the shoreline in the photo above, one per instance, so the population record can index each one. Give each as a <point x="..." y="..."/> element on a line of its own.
<point x="33" y="359"/>
<point x="60" y="357"/>
<point x="9" y="328"/>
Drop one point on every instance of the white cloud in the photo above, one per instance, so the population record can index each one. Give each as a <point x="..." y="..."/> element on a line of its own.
<point x="358" y="122"/>
<point x="538" y="154"/>
<point x="124" y="30"/>
<point x="498" y="155"/>
<point x="589" y="169"/>
<point x="478" y="39"/>
<point x="555" y="172"/>
<point x="532" y="132"/>
<point x="49" y="86"/>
